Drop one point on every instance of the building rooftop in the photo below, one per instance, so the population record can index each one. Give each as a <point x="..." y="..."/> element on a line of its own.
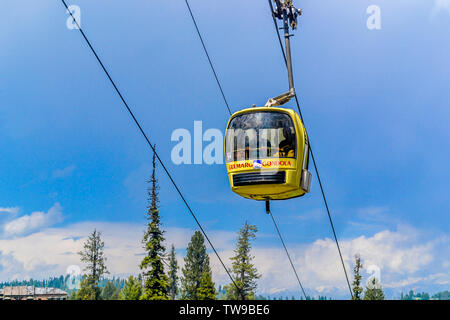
<point x="30" y="291"/>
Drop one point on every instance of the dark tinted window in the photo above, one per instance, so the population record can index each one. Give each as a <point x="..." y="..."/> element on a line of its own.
<point x="259" y="135"/>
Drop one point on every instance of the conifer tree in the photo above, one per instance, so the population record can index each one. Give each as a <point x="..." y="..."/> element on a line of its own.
<point x="245" y="273"/>
<point x="110" y="292"/>
<point x="206" y="291"/>
<point x="173" y="277"/>
<point x="93" y="255"/>
<point x="374" y="290"/>
<point x="196" y="283"/>
<point x="357" y="289"/>
<point x="132" y="289"/>
<point x="155" y="280"/>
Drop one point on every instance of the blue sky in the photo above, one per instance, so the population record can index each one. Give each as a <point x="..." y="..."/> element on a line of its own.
<point x="375" y="103"/>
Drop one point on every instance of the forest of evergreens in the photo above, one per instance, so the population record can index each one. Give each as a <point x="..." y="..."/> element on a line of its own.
<point x="161" y="278"/>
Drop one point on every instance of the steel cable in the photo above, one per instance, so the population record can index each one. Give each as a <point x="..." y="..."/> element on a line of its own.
<point x="312" y="156"/>
<point x="148" y="141"/>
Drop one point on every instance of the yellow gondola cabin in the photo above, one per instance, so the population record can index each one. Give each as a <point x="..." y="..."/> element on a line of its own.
<point x="266" y="154"/>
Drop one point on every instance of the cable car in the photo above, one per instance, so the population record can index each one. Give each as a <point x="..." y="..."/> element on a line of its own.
<point x="266" y="154"/>
<point x="267" y="148"/>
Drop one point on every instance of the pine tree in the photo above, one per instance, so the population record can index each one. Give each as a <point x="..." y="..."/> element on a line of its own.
<point x="245" y="273"/>
<point x="206" y="291"/>
<point x="156" y="281"/>
<point x="374" y="290"/>
<point x="173" y="277"/>
<point x="196" y="282"/>
<point x="132" y="289"/>
<point x="93" y="255"/>
<point x="110" y="291"/>
<point x="357" y="289"/>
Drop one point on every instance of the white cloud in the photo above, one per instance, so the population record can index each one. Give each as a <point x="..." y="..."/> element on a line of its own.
<point x="30" y="223"/>
<point x="403" y="257"/>
<point x="50" y="251"/>
<point x="13" y="211"/>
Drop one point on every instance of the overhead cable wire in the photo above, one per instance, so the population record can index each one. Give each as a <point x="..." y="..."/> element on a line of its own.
<point x="223" y="95"/>
<point x="288" y="255"/>
<point x="312" y="156"/>
<point x="148" y="141"/>
<point x="207" y="55"/>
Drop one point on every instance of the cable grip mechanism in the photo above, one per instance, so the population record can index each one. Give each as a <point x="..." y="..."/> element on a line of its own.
<point x="286" y="12"/>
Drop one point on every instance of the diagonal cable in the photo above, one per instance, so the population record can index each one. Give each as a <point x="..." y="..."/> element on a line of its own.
<point x="289" y="257"/>
<point x="207" y="55"/>
<point x="314" y="161"/>
<point x="223" y="95"/>
<point x="148" y="141"/>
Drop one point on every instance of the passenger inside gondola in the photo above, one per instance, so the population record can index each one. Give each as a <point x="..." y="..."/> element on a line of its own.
<point x="286" y="146"/>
